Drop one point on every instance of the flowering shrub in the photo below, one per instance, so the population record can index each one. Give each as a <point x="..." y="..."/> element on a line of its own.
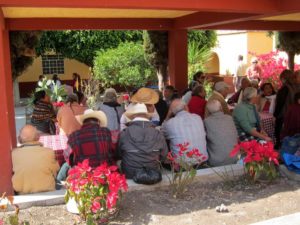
<point x="184" y="168"/>
<point x="272" y="65"/>
<point x="259" y="158"/>
<point x="96" y="191"/>
<point x="13" y="218"/>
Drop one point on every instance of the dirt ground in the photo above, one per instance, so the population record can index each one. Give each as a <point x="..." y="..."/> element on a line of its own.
<point x="247" y="203"/>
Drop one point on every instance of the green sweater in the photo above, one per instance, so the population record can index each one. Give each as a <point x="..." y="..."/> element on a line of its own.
<point x="245" y="118"/>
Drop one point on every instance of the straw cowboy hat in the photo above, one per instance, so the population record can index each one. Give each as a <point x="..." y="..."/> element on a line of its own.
<point x="138" y="108"/>
<point x="89" y="113"/>
<point x="146" y="96"/>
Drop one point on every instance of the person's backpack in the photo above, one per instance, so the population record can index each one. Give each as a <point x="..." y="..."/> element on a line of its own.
<point x="147" y="176"/>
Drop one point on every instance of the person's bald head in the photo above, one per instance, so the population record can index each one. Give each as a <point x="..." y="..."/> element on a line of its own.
<point x="177" y="105"/>
<point x="28" y="134"/>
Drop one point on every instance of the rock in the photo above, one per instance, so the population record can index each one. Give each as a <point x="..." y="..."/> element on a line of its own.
<point x="222" y="209"/>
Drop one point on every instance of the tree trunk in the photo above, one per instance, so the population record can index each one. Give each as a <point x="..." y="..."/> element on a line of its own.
<point x="162" y="76"/>
<point x="291" y="60"/>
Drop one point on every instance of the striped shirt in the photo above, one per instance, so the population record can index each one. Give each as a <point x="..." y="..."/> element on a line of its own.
<point x="185" y="127"/>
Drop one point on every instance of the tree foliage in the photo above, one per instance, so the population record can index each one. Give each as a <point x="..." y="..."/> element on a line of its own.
<point x="290" y="43"/>
<point x="82" y="45"/>
<point x="156" y="53"/>
<point x="197" y="58"/>
<point x="124" y="65"/>
<point x="156" y="48"/>
<point x="22" y="50"/>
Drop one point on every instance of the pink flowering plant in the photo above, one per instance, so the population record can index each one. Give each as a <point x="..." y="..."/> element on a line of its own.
<point x="184" y="168"/>
<point x="97" y="192"/>
<point x="272" y="64"/>
<point x="260" y="159"/>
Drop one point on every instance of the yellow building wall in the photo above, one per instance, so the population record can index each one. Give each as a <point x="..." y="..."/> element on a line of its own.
<point x="234" y="43"/>
<point x="71" y="66"/>
<point x="259" y="43"/>
<point x="213" y="65"/>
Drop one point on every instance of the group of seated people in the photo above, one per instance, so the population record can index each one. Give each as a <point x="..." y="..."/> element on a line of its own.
<point x="142" y="133"/>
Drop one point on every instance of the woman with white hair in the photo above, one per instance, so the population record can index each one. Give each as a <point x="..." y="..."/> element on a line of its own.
<point x="246" y="117"/>
<point x="221" y="135"/>
<point x="112" y="109"/>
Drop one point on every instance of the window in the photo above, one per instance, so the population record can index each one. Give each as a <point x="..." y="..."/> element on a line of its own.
<point x="53" y="64"/>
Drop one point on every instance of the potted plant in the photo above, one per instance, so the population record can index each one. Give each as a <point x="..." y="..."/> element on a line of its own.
<point x="97" y="192"/>
<point x="260" y="159"/>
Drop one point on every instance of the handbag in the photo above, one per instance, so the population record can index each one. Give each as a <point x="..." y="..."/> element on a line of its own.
<point x="147" y="176"/>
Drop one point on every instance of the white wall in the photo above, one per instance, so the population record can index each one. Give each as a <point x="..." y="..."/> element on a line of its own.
<point x="230" y="45"/>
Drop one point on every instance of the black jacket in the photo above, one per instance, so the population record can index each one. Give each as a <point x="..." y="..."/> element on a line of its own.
<point x="141" y="145"/>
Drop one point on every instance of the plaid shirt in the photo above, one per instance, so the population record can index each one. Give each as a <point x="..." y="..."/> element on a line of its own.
<point x="90" y="142"/>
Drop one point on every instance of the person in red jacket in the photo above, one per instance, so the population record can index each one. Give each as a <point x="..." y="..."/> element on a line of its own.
<point x="197" y="103"/>
<point x="291" y="124"/>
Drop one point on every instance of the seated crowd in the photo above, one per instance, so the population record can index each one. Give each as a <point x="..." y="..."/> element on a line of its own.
<point x="142" y="133"/>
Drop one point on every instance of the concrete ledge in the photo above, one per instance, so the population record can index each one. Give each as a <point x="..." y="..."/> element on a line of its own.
<point x="283" y="220"/>
<point x="208" y="175"/>
<point x="289" y="174"/>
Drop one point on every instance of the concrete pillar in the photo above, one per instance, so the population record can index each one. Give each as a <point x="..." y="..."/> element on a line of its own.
<point x="7" y="118"/>
<point x="178" y="61"/>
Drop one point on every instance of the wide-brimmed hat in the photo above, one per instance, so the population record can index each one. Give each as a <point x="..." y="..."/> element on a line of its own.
<point x="137" y="108"/>
<point x="146" y="96"/>
<point x="110" y="95"/>
<point x="89" y="113"/>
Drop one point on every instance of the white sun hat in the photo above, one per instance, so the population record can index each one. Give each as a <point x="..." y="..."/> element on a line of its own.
<point x="138" y="108"/>
<point x="89" y="113"/>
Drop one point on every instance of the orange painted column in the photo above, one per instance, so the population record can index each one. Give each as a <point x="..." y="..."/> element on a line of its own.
<point x="178" y="61"/>
<point x="7" y="117"/>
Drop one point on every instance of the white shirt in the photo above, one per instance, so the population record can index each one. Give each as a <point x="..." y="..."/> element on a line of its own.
<point x="241" y="69"/>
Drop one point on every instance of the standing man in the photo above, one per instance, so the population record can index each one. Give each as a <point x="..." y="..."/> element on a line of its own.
<point x="240" y="73"/>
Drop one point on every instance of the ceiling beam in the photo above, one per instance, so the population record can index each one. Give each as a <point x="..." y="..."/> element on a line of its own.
<point x="259" y="25"/>
<point x="205" y="19"/>
<point x="289" y="6"/>
<point x="250" y="6"/>
<point x="88" y="24"/>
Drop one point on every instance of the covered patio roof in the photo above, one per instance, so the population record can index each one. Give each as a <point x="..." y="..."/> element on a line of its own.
<point x="151" y="14"/>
